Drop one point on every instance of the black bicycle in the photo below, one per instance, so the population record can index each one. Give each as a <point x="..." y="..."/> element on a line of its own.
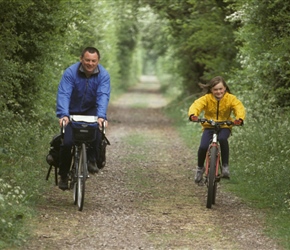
<point x="213" y="172"/>
<point x="85" y="131"/>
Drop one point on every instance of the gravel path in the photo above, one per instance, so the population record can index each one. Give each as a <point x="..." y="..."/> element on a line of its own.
<point x="145" y="197"/>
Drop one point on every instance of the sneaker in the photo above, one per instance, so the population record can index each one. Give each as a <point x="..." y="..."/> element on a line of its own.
<point x="225" y="171"/>
<point x="199" y="174"/>
<point x="63" y="183"/>
<point x="92" y="167"/>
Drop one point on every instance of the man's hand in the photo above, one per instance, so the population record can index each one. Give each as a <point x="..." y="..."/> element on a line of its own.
<point x="100" y="121"/>
<point x="65" y="119"/>
<point x="193" y="118"/>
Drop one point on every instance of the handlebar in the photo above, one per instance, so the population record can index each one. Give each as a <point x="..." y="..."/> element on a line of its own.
<point x="88" y="119"/>
<point x="215" y="123"/>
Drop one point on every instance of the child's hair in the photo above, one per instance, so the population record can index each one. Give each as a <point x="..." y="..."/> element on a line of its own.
<point x="213" y="82"/>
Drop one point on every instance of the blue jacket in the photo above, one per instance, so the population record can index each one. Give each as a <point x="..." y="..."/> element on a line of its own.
<point x="79" y="95"/>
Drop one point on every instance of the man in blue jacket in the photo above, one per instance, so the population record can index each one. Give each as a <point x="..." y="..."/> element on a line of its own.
<point x="84" y="89"/>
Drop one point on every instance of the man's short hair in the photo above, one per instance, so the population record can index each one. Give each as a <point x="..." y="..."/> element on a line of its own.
<point x="91" y="50"/>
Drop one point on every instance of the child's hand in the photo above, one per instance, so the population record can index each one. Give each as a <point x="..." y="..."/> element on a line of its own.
<point x="238" y="122"/>
<point x="193" y="118"/>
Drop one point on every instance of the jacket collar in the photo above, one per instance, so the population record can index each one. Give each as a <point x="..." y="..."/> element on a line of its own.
<point x="81" y="70"/>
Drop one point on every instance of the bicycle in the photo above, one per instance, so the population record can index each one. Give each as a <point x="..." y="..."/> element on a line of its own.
<point x="213" y="172"/>
<point x="84" y="132"/>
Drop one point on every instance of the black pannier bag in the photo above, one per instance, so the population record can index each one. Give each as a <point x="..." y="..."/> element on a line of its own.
<point x="53" y="155"/>
<point x="101" y="151"/>
<point x="80" y="133"/>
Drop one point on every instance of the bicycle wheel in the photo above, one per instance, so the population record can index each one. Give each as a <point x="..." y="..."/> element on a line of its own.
<point x="82" y="175"/>
<point x="211" y="178"/>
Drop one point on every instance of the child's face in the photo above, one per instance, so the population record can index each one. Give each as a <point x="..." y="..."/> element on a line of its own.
<point x="218" y="91"/>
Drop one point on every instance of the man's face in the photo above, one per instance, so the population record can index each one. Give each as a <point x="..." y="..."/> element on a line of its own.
<point x="90" y="62"/>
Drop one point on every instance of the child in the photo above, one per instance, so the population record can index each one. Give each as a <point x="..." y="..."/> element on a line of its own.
<point x="217" y="104"/>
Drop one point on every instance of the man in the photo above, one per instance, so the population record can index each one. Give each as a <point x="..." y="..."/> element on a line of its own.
<point x="83" y="90"/>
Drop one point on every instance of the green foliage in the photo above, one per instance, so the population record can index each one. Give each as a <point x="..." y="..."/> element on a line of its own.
<point x="24" y="146"/>
<point x="264" y="52"/>
<point x="26" y="28"/>
<point x="11" y="219"/>
<point x="127" y="33"/>
<point x="202" y="40"/>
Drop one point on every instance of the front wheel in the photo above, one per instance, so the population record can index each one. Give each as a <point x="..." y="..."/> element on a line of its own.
<point x="82" y="175"/>
<point x="212" y="185"/>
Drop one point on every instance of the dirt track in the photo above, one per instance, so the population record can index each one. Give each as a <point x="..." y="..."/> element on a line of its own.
<point x="145" y="197"/>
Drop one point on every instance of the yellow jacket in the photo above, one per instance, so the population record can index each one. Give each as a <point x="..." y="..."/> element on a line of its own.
<point x="218" y="110"/>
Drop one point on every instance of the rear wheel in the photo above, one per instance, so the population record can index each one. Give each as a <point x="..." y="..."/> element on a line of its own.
<point x="212" y="185"/>
<point x="82" y="175"/>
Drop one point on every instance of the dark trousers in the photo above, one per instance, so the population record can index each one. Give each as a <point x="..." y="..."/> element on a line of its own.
<point x="66" y="151"/>
<point x="206" y="138"/>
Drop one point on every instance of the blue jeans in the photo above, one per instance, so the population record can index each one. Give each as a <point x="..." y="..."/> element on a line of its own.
<point x="65" y="156"/>
<point x="206" y="138"/>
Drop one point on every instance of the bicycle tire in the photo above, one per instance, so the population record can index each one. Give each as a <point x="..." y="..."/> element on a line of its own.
<point x="82" y="175"/>
<point x="211" y="178"/>
<point x="74" y="183"/>
<point x="214" y="192"/>
<point x="218" y="164"/>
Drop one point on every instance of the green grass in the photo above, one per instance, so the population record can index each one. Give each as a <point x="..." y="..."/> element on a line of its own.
<point x="259" y="160"/>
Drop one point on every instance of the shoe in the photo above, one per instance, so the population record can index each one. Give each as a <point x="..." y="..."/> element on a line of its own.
<point x="92" y="167"/>
<point x="63" y="183"/>
<point x="225" y="171"/>
<point x="199" y="174"/>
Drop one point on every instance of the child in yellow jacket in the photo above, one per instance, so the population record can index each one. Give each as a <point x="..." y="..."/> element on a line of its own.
<point x="217" y="104"/>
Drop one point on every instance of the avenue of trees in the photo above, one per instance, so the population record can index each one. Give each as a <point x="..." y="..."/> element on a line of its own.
<point x="245" y="41"/>
<point x="188" y="41"/>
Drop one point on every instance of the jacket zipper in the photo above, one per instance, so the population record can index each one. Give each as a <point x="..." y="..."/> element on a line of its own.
<point x="84" y="95"/>
<point x="217" y="111"/>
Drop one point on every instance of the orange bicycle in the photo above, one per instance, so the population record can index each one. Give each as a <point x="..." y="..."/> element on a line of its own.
<point x="213" y="172"/>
